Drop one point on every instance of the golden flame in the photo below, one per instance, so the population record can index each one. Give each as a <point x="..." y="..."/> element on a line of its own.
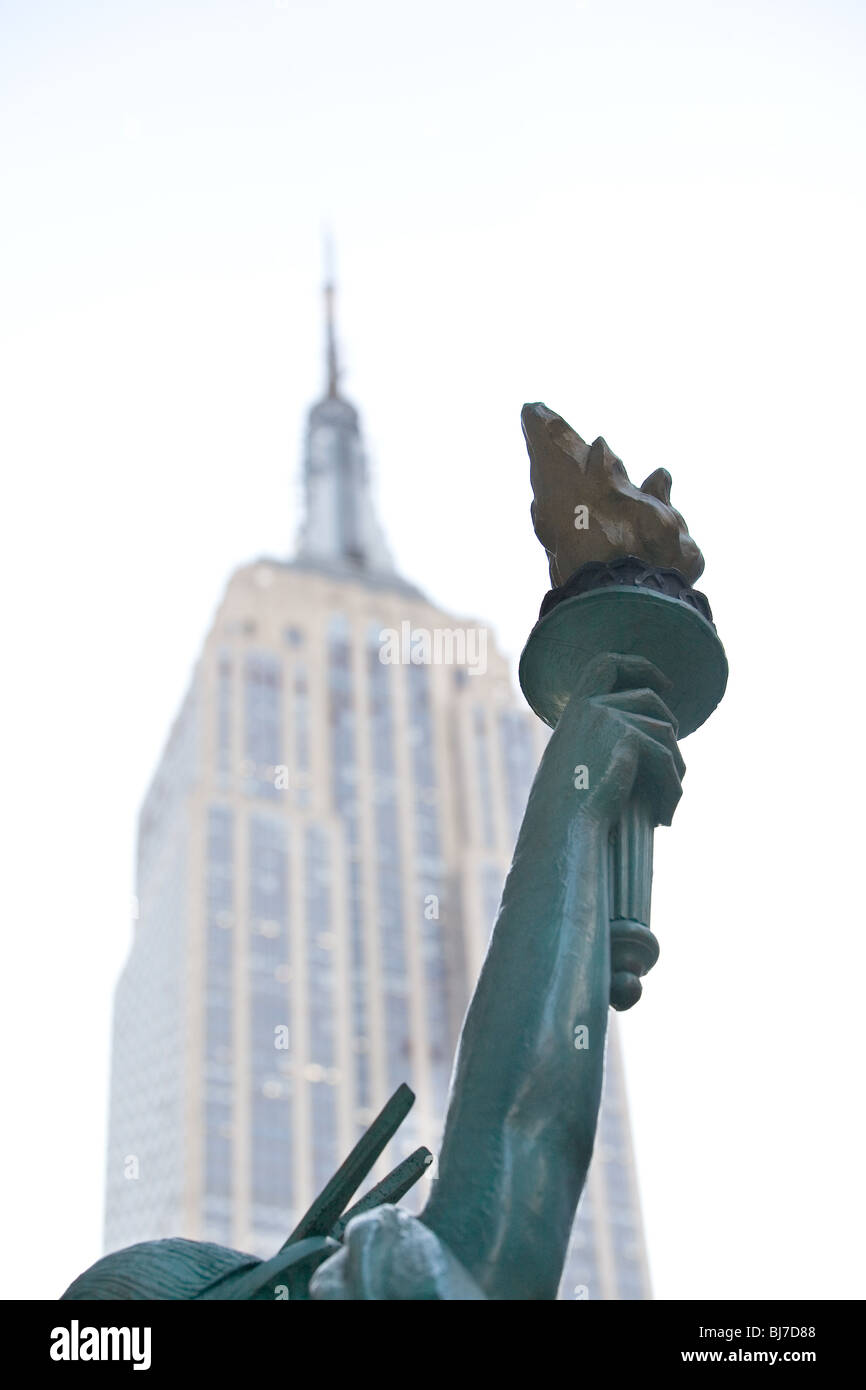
<point x="586" y="509"/>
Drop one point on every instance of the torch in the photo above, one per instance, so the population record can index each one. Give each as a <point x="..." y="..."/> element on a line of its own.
<point x="622" y="565"/>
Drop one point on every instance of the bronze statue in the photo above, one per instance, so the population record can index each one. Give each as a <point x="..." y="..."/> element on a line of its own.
<point x="528" y="1074"/>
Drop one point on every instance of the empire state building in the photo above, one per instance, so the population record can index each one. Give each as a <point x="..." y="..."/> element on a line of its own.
<point x="320" y="857"/>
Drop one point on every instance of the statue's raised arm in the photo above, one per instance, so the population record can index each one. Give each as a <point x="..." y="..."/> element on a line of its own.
<point x="527" y="1085"/>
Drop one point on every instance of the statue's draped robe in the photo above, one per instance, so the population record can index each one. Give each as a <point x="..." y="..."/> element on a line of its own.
<point x="386" y="1254"/>
<point x="389" y="1254"/>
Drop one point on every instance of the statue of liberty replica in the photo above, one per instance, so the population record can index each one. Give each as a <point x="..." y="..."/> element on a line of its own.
<point x="623" y="662"/>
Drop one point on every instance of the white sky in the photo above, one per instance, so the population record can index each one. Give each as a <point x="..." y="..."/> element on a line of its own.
<point x="651" y="216"/>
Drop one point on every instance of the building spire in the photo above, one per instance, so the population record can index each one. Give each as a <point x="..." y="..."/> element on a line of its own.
<point x="333" y="368"/>
<point x="340" y="528"/>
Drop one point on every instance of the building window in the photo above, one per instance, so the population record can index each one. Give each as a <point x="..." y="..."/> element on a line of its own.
<point x="344" y="794"/>
<point x="263" y="723"/>
<point x="301" y="722"/>
<point x="268" y="961"/>
<point x="430" y="887"/>
<point x="218" y="1077"/>
<point x="388" y="860"/>
<point x="322" y="1047"/>
<point x="484" y="784"/>
<point x="518" y="760"/>
<point x="224" y="716"/>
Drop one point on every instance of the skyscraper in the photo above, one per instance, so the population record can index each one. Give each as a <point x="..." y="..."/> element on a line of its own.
<point x="320" y="858"/>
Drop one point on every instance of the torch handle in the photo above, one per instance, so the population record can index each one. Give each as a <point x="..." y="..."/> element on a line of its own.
<point x="633" y="948"/>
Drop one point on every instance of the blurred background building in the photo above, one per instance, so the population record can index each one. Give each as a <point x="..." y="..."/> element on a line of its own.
<point x="320" y="858"/>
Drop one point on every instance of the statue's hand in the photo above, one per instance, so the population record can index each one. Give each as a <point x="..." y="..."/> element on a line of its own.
<point x="619" y="736"/>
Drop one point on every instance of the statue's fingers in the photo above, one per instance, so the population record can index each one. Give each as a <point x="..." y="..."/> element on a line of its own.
<point x="660" y="766"/>
<point x="659" y="774"/>
<point x="647" y="702"/>
<point x="661" y="731"/>
<point x="611" y="672"/>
